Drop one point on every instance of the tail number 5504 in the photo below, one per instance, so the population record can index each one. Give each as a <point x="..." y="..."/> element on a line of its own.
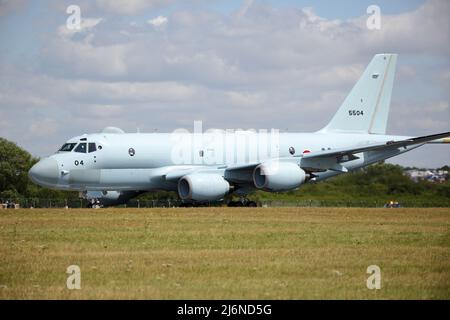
<point x="355" y="112"/>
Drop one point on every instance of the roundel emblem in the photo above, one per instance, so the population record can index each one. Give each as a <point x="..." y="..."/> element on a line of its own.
<point x="291" y="150"/>
<point x="131" y="152"/>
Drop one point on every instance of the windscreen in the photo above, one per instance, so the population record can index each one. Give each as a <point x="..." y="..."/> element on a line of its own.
<point x="67" y="147"/>
<point x="92" y="147"/>
<point x="81" y="148"/>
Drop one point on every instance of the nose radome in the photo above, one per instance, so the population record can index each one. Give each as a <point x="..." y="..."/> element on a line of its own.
<point x="45" y="172"/>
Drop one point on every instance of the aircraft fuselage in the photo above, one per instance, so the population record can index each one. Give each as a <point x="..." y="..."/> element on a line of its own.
<point x="137" y="161"/>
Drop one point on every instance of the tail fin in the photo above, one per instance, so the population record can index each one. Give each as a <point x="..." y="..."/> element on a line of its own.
<point x="366" y="108"/>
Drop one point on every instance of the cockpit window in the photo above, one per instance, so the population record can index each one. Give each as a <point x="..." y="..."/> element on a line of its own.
<point x="81" y="148"/>
<point x="92" y="147"/>
<point x="67" y="147"/>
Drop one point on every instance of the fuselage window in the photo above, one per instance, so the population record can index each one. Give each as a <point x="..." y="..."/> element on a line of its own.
<point x="81" y="148"/>
<point x="92" y="147"/>
<point x="67" y="147"/>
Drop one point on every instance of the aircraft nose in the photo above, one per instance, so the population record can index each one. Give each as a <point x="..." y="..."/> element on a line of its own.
<point x="45" y="172"/>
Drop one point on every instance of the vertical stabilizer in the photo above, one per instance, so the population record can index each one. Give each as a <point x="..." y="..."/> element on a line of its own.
<point x="366" y="108"/>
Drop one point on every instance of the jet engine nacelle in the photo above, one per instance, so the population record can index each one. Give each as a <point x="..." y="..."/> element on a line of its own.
<point x="203" y="187"/>
<point x="278" y="176"/>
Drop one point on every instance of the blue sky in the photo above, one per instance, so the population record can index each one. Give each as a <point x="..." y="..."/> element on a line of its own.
<point x="343" y="9"/>
<point x="20" y="31"/>
<point x="213" y="60"/>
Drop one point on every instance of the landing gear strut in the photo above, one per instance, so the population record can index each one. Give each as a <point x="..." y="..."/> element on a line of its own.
<point x="243" y="202"/>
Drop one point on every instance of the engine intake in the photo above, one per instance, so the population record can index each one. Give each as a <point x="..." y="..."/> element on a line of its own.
<point x="278" y="176"/>
<point x="203" y="187"/>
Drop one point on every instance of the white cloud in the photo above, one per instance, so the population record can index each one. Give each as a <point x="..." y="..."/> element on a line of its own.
<point x="129" y="7"/>
<point x="246" y="4"/>
<point x="245" y="99"/>
<point x="44" y="128"/>
<point x="158" y="22"/>
<point x="439" y="106"/>
<point x="261" y="67"/>
<point x="425" y="30"/>
<point x="86" y="25"/>
<point x="406" y="72"/>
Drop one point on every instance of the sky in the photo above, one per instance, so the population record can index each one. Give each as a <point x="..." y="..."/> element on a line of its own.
<point x="159" y="65"/>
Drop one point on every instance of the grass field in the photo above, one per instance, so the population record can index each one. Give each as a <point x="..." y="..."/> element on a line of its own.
<point x="229" y="253"/>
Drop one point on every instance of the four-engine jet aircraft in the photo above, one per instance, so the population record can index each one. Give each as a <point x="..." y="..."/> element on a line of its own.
<point x="116" y="166"/>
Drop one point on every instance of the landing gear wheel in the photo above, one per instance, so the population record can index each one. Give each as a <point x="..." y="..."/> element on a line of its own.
<point x="242" y="203"/>
<point x="186" y="205"/>
<point x="251" y="204"/>
<point x="234" y="204"/>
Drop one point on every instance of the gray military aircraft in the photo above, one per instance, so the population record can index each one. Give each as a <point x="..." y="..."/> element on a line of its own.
<point x="115" y="166"/>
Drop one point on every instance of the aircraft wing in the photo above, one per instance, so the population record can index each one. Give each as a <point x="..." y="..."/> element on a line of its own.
<point x="330" y="159"/>
<point x="176" y="174"/>
<point x="376" y="147"/>
<point x="314" y="161"/>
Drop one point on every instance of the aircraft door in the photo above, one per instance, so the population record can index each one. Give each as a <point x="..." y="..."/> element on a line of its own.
<point x="92" y="153"/>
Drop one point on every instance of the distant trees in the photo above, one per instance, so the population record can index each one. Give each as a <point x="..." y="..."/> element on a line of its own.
<point x="446" y="168"/>
<point x="376" y="182"/>
<point x="14" y="165"/>
<point x="14" y="181"/>
<point x="386" y="178"/>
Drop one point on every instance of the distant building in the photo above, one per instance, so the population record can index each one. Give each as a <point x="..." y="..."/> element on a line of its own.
<point x="432" y="175"/>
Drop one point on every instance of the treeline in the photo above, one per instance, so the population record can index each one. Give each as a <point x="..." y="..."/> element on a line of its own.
<point x="14" y="181"/>
<point x="380" y="182"/>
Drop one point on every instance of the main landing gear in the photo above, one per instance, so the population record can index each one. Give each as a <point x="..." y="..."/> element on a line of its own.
<point x="244" y="202"/>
